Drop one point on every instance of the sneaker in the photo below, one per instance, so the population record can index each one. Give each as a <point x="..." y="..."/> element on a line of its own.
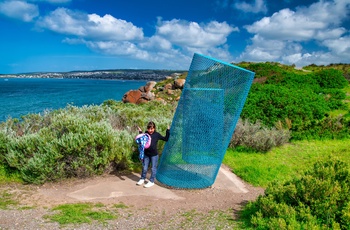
<point x="149" y="184"/>
<point x="140" y="182"/>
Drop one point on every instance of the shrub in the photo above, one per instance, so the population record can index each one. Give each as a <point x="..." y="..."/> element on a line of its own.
<point x="327" y="128"/>
<point x="319" y="199"/>
<point x="3" y="147"/>
<point x="71" y="147"/>
<point x="331" y="78"/>
<point x="273" y="103"/>
<point x="334" y="98"/>
<point x="77" y="141"/>
<point x="257" y="137"/>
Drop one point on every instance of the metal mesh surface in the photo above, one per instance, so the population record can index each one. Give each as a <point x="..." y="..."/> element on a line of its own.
<point x="208" y="110"/>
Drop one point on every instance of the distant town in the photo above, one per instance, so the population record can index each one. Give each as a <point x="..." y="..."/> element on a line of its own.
<point x="120" y="74"/>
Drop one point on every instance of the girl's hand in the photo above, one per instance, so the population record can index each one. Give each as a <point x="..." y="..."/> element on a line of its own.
<point x="140" y="130"/>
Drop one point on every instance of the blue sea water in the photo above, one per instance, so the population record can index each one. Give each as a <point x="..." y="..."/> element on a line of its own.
<point x="20" y="96"/>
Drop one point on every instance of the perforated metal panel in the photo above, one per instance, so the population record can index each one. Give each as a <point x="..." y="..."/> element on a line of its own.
<point x="204" y="122"/>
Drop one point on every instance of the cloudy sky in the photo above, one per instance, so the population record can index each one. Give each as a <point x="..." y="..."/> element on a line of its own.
<point x="66" y="35"/>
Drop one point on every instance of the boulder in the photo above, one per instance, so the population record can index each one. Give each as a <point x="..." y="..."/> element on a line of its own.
<point x="132" y="96"/>
<point x="168" y="86"/>
<point x="179" y="83"/>
<point x="150" y="85"/>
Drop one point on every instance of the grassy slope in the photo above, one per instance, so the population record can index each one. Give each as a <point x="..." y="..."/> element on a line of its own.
<point x="284" y="162"/>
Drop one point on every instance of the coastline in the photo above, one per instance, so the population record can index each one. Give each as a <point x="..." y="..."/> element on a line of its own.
<point x="118" y="74"/>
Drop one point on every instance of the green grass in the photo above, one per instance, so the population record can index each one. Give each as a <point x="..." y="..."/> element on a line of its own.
<point x="286" y="162"/>
<point x="6" y="200"/>
<point x="81" y="213"/>
<point x="120" y="206"/>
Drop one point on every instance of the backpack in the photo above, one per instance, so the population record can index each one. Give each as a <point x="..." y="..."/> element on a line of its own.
<point x="145" y="138"/>
<point x="143" y="141"/>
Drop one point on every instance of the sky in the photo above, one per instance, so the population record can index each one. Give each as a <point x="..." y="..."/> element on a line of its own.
<point x="71" y="35"/>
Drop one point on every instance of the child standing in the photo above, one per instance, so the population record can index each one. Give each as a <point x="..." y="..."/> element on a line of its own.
<point x="151" y="154"/>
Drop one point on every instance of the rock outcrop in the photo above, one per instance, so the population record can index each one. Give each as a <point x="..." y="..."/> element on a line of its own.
<point x="142" y="95"/>
<point x="164" y="93"/>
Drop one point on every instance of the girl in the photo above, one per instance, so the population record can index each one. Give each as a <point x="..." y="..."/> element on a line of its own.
<point x="151" y="153"/>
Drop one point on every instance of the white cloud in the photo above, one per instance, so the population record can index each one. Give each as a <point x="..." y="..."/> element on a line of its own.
<point x="90" y="26"/>
<point x="134" y="51"/>
<point x="340" y="46"/>
<point x="156" y="42"/>
<point x="287" y="25"/>
<point x="174" y="39"/>
<point x="19" y="10"/>
<point x="263" y="49"/>
<point x="257" y="7"/>
<point x="284" y="35"/>
<point x="51" y="1"/>
<point x="192" y="34"/>
<point x="124" y="48"/>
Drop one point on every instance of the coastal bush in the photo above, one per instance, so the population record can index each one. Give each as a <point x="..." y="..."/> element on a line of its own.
<point x="319" y="199"/>
<point x="331" y="78"/>
<point x="71" y="147"/>
<point x="303" y="97"/>
<point x="257" y="136"/>
<point x="334" y="98"/>
<point x="294" y="80"/>
<point x="3" y="148"/>
<point x="77" y="141"/>
<point x="271" y="104"/>
<point x="327" y="128"/>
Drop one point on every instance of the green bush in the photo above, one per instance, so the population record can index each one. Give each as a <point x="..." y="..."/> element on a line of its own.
<point x="327" y="128"/>
<point x="3" y="148"/>
<point x="257" y="137"/>
<point x="334" y="98"/>
<point x="77" y="141"/>
<point x="304" y="99"/>
<point x="319" y="199"/>
<point x="70" y="147"/>
<point x="294" y="80"/>
<point x="272" y="103"/>
<point x="331" y="78"/>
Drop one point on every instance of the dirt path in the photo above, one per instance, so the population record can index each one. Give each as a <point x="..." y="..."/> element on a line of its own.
<point x="157" y="207"/>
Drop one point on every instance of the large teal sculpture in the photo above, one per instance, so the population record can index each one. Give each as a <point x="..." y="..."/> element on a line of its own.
<point x="207" y="113"/>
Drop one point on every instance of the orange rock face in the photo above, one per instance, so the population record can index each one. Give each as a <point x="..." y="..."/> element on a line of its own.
<point x="132" y="96"/>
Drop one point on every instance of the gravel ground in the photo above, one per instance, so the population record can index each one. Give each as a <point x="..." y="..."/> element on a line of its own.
<point x="209" y="208"/>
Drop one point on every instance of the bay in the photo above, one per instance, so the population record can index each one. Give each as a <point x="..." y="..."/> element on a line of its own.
<point x="21" y="96"/>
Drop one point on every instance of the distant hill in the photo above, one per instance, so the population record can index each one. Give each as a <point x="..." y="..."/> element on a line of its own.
<point x="120" y="74"/>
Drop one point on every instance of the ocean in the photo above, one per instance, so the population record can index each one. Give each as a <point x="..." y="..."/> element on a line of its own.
<point x="21" y="96"/>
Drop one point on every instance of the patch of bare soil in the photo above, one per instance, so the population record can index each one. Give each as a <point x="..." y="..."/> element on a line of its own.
<point x="157" y="207"/>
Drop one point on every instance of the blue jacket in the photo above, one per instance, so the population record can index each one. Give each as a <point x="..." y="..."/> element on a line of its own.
<point x="141" y="141"/>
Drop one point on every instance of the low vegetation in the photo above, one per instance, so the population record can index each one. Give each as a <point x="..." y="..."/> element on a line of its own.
<point x="76" y="142"/>
<point x="258" y="137"/>
<point x="285" y="162"/>
<point x="302" y="102"/>
<point x="319" y="199"/>
<point x="81" y="213"/>
<point x="6" y="200"/>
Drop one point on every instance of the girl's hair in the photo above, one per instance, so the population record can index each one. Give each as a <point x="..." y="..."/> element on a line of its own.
<point x="151" y="124"/>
